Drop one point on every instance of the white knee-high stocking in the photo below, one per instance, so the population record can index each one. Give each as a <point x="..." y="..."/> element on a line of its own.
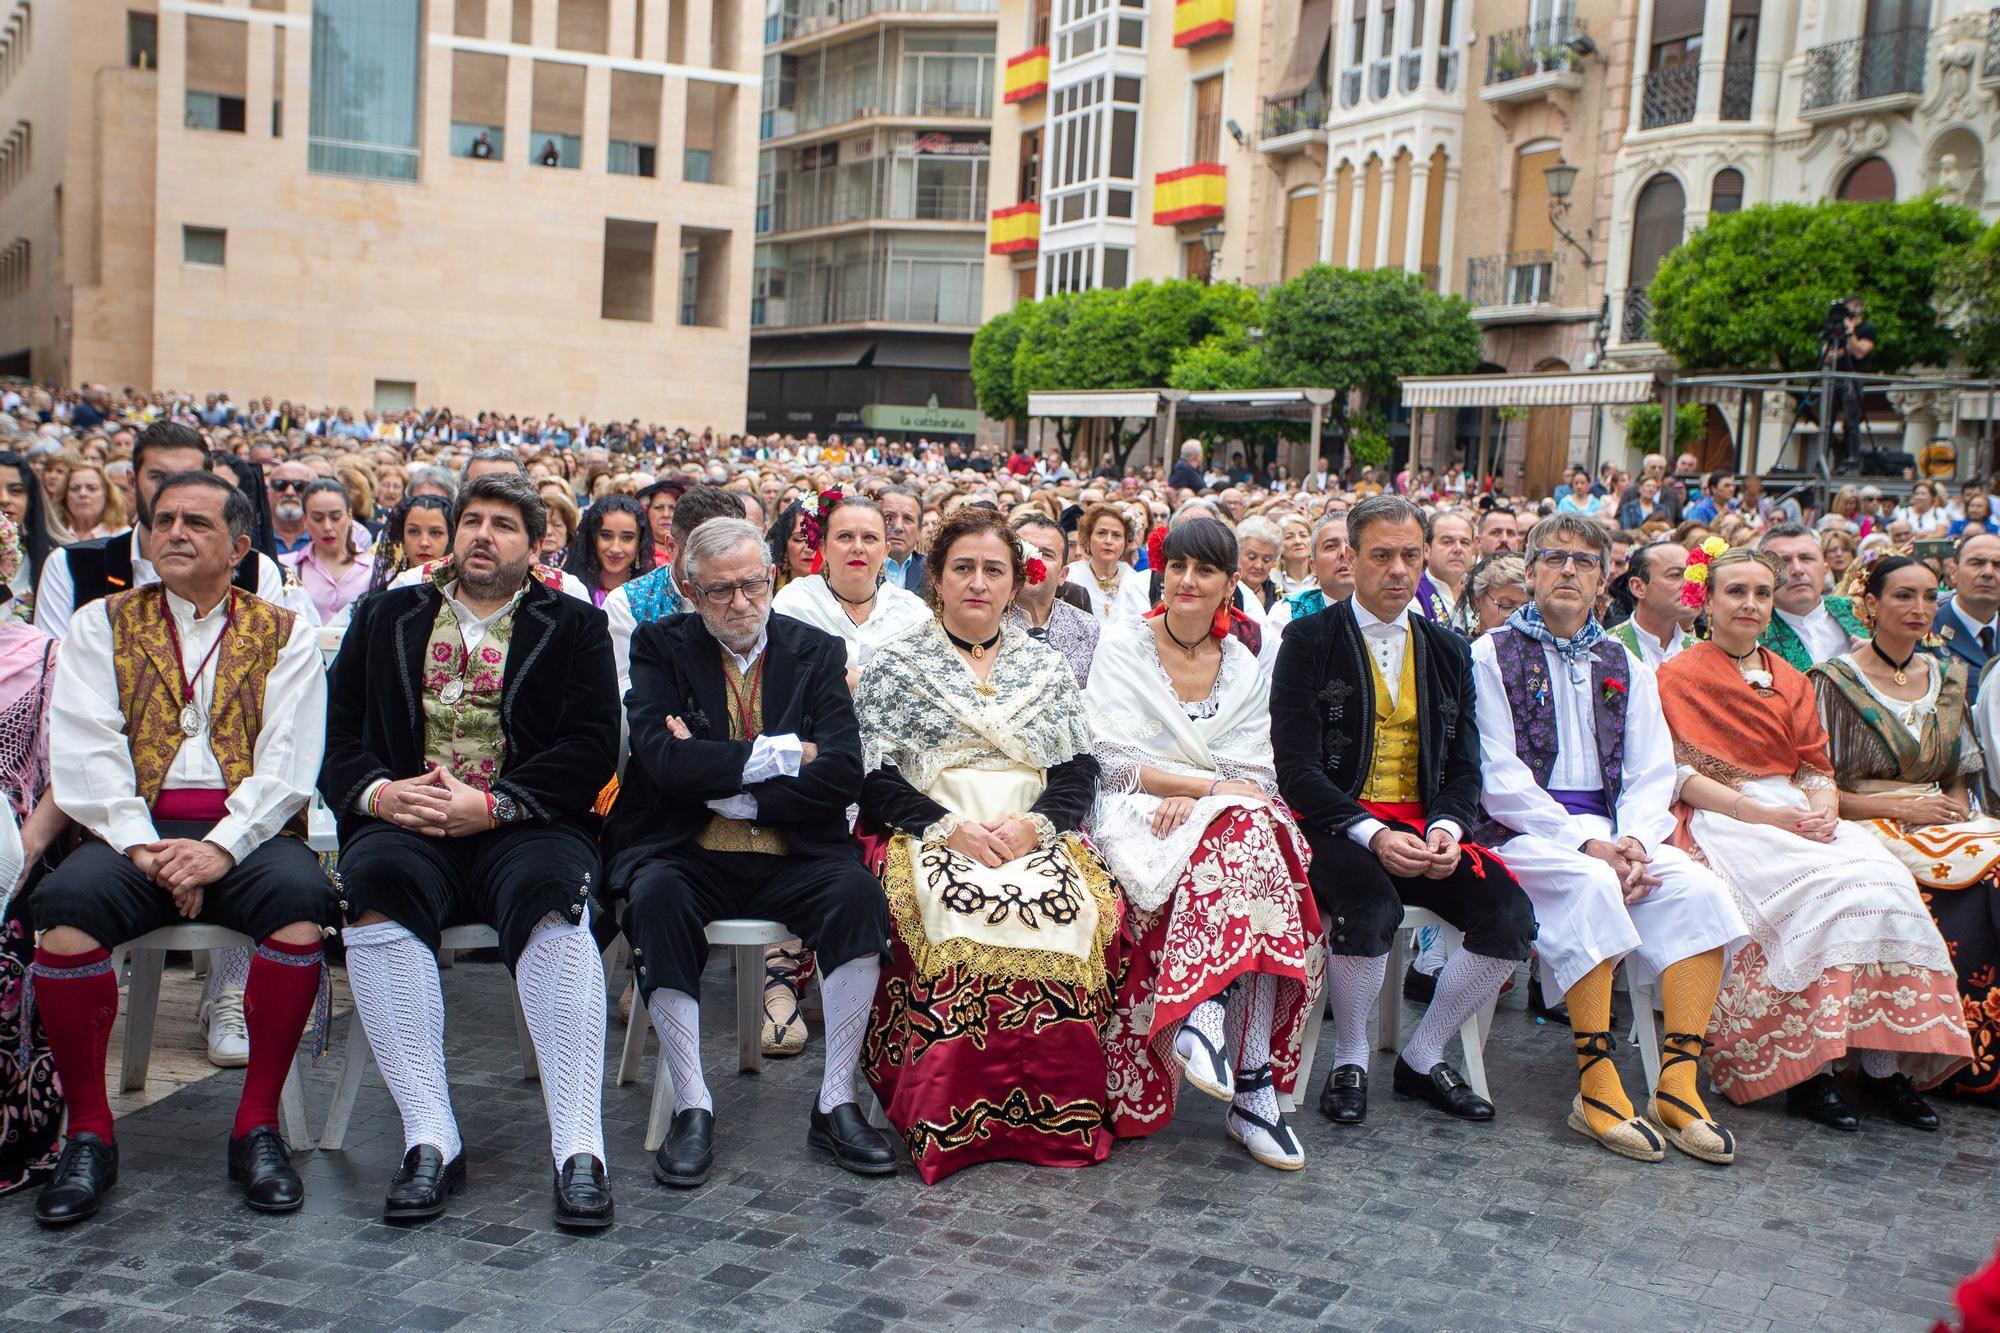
<point x="1353" y="982"/>
<point x="677" y="1021"/>
<point x="847" y="993"/>
<point x="1466" y="982"/>
<point x="401" y="1005"/>
<point x="561" y="984"/>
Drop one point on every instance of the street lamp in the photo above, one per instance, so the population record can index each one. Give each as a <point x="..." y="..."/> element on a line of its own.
<point x="1561" y="178"/>
<point x="1211" y="241"/>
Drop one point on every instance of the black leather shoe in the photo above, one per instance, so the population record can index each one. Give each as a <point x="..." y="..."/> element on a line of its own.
<point x="683" y="1161"/>
<point x="88" y="1167"/>
<point x="422" y="1183"/>
<point x="854" y="1143"/>
<point x="583" y="1194"/>
<point x="1444" y="1087"/>
<point x="1419" y="987"/>
<point x="1818" y="1098"/>
<point x="1344" y="1098"/>
<point x="1896" y="1097"/>
<point x="262" y="1164"/>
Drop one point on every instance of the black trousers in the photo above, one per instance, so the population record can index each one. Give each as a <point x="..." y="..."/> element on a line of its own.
<point x="1847" y="404"/>
<point x="830" y="902"/>
<point x="101" y="893"/>
<point x="1361" y="904"/>
<point x="506" y="878"/>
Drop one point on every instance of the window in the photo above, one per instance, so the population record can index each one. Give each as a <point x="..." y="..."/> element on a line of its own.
<point x="1726" y="194"/>
<point x="1208" y="121"/>
<point x="1068" y="270"/>
<point x="478" y="105"/>
<point x="1868" y="180"/>
<point x="696" y="164"/>
<point x="366" y="63"/>
<point x="555" y="124"/>
<point x="204" y="245"/>
<point x="217" y="58"/>
<point x="1117" y="265"/>
<point x="395" y="395"/>
<point x="1194" y="260"/>
<point x="212" y="111"/>
<point x="635" y="123"/>
<point x="630" y="159"/>
<point x="1028" y="185"/>
<point x="466" y="141"/>
<point x="947" y="74"/>
<point x="706" y="156"/>
<point x="142" y="39"/>
<point x="1095" y="144"/>
<point x="704" y="277"/>
<point x="627" y="287"/>
<point x="1657" y="221"/>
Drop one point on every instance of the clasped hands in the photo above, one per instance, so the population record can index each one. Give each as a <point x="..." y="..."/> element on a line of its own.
<point x="435" y="804"/>
<point x="995" y="842"/>
<point x="183" y="867"/>
<point x="1408" y="856"/>
<point x="1628" y="859"/>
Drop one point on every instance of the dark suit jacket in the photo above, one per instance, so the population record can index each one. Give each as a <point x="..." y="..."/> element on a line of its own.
<point x="558" y="712"/>
<point x="1323" y="721"/>
<point x="677" y="672"/>
<point x="1961" y="643"/>
<point x="1186" y="476"/>
<point x="916" y="574"/>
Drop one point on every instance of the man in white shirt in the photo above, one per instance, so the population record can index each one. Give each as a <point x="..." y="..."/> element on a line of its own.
<point x="1659" y="629"/>
<point x="186" y="727"/>
<point x="1577" y="781"/>
<point x="1968" y="618"/>
<point x="1807" y="627"/>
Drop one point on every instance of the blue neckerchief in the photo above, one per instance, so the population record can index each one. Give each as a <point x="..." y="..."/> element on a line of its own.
<point x="1574" y="651"/>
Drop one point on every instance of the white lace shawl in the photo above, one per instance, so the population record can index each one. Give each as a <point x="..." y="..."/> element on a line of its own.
<point x="1137" y="719"/>
<point x="897" y="612"/>
<point x="922" y="710"/>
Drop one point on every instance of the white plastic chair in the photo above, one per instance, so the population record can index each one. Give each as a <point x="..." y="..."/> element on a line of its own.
<point x="148" y="960"/>
<point x="1389" y="1013"/>
<point x="356" y="1055"/>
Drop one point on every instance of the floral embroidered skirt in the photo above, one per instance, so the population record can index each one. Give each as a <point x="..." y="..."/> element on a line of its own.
<point x="1241" y="906"/>
<point x="979" y="1051"/>
<point x="31" y="1104"/>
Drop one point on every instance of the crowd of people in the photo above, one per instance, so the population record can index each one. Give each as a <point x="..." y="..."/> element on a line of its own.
<point x="1075" y="790"/>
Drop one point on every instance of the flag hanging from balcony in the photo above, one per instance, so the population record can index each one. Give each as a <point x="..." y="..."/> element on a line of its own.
<point x="1188" y="194"/>
<point x="1027" y="76"/>
<point x="1016" y="229"/>
<point x="1198" y="20"/>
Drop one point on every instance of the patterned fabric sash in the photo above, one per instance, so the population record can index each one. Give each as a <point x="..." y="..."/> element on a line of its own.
<point x="149" y="679"/>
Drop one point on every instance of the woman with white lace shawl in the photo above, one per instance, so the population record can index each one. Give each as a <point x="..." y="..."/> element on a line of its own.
<point x="1212" y="866"/>
<point x="987" y="1034"/>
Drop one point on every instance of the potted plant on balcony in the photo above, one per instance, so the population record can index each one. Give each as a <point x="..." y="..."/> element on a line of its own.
<point x="1507" y="60"/>
<point x="1553" y="58"/>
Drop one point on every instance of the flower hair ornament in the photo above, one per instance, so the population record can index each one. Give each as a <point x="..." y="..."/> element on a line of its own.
<point x="1156" y="546"/>
<point x="1694" y="585"/>
<point x="812" y="525"/>
<point x="1031" y="564"/>
<point x="10" y="549"/>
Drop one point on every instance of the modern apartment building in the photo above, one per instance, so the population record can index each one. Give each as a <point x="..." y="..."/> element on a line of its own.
<point x="875" y="147"/>
<point x="532" y="205"/>
<point x="1123" y="149"/>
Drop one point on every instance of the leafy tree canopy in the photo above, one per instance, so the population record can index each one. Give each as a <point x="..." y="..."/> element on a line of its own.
<point x="1338" y="328"/>
<point x="993" y="349"/>
<point x="1968" y="298"/>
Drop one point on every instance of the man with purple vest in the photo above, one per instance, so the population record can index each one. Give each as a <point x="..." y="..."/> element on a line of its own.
<point x="1578" y="778"/>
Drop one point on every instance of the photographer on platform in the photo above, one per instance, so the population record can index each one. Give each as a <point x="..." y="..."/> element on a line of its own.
<point x="1846" y="344"/>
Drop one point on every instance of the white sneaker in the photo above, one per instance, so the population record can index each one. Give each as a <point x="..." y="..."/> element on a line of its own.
<point x="228" y="1035"/>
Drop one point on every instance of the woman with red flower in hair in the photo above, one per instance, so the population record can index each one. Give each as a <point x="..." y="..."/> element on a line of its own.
<point x="1226" y="955"/>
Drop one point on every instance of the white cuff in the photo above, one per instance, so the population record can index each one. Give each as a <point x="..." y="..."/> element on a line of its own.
<point x="740" y="806"/>
<point x="1363" y="831"/>
<point x="232" y="835"/>
<point x="126" y="832"/>
<point x="1449" y="826"/>
<point x="772" y="757"/>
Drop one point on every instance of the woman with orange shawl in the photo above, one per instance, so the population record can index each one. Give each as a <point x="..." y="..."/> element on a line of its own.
<point x="1843" y="958"/>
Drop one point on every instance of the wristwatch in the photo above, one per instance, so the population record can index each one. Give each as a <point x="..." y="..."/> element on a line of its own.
<point x="505" y="809"/>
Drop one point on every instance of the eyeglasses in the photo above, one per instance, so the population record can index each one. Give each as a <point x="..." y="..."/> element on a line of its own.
<point x="723" y="594"/>
<point x="1553" y="558"/>
<point x="288" y="485"/>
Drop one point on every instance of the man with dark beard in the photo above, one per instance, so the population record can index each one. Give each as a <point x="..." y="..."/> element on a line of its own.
<point x="472" y="720"/>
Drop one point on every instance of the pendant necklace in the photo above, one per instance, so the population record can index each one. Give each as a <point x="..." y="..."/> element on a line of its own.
<point x="1187" y="648"/>
<point x="191" y="718"/>
<point x="977" y="650"/>
<point x="1898" y="667"/>
<point x="846" y="602"/>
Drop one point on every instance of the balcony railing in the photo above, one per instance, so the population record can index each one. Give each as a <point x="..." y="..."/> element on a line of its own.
<point x="1448" y="69"/>
<point x="1670" y="96"/>
<point x="1879" y="65"/>
<point x="1410" y="71"/>
<point x="924" y="203"/>
<point x="1529" y="277"/>
<point x="1289" y="115"/>
<point x="1535" y="48"/>
<point x="1739" y="80"/>
<point x="1350" y="88"/>
<point x="810" y="16"/>
<point x="1638" y="323"/>
<point x="1991" y="69"/>
<point x="1378" y="79"/>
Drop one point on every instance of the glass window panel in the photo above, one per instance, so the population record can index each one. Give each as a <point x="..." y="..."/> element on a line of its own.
<point x="1124" y="144"/>
<point x="366" y="61"/>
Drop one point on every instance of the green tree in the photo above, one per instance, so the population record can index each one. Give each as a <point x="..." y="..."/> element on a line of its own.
<point x="1968" y="298"/>
<point x="1751" y="289"/>
<point x="993" y="349"/>
<point x="1642" y="426"/>
<point x="1225" y="361"/>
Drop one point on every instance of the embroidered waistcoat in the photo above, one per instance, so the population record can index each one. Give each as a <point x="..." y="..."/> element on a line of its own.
<point x="653" y="596"/>
<point x="1524" y="670"/>
<point x="723" y="834"/>
<point x="464" y="737"/>
<point x="1393" y="774"/>
<point x="149" y="685"/>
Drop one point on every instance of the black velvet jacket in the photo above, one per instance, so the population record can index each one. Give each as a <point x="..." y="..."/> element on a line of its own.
<point x="558" y="711"/>
<point x="677" y="672"/>
<point x="1323" y="721"/>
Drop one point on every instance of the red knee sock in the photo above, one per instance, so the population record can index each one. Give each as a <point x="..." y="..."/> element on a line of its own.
<point x="277" y="1002"/>
<point x="76" y="997"/>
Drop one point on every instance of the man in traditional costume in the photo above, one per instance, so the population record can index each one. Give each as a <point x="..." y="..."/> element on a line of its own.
<point x="1577" y="776"/>
<point x="1378" y="757"/>
<point x="1040" y="610"/>
<point x="1441" y="592"/>
<point x="745" y="758"/>
<point x="655" y="595"/>
<point x="1658" y="628"/>
<point x="1807" y="627"/>
<point x="186" y="729"/>
<point x="473" y="720"/>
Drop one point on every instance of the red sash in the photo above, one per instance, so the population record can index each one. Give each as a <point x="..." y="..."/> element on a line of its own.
<point x="191" y="805"/>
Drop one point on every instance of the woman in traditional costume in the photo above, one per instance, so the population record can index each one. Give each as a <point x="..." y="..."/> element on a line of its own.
<point x="847" y="597"/>
<point x="1896" y="724"/>
<point x="987" y="1035"/>
<point x="1116" y="590"/>
<point x="1212" y="866"/>
<point x="1843" y="958"/>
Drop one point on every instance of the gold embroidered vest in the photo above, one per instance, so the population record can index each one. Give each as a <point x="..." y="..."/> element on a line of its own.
<point x="721" y="833"/>
<point x="462" y="732"/>
<point x="149" y="686"/>
<point x="1393" y="774"/>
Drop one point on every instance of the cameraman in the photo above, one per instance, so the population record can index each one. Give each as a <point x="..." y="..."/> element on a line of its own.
<point x="1848" y="347"/>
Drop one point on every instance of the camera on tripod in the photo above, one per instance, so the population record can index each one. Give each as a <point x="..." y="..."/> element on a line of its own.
<point x="1834" y="330"/>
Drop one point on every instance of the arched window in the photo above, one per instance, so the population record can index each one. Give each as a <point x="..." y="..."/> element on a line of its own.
<point x="1726" y="194"/>
<point x="1657" y="221"/>
<point x="1868" y="180"/>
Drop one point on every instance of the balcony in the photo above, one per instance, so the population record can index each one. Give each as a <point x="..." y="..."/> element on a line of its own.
<point x="1410" y="71"/>
<point x="1670" y="96"/>
<point x="1027" y="76"/>
<point x="1378" y="79"/>
<point x="1528" y="63"/>
<point x="1496" y="284"/>
<point x="1637" y="324"/>
<point x="1197" y="21"/>
<point x="796" y="209"/>
<point x="1016" y="230"/>
<point x="1291" y="122"/>
<point x="814" y="16"/>
<point x="1739" y="81"/>
<point x="1990" y="71"/>
<point x="1350" y="88"/>
<point x="1189" y="194"/>
<point x="1884" y="70"/>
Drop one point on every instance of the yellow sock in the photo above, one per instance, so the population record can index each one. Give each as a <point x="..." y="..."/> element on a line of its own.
<point x="1589" y="1002"/>
<point x="1687" y="996"/>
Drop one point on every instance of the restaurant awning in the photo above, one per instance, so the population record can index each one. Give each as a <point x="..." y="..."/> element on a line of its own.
<point x="1590" y="388"/>
<point x="1095" y="403"/>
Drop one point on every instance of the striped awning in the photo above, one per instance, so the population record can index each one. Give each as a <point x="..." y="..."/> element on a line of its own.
<point x="1590" y="388"/>
<point x="1095" y="403"/>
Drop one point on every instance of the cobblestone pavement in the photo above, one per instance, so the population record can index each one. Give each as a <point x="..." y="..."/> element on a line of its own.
<point x="1413" y="1222"/>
